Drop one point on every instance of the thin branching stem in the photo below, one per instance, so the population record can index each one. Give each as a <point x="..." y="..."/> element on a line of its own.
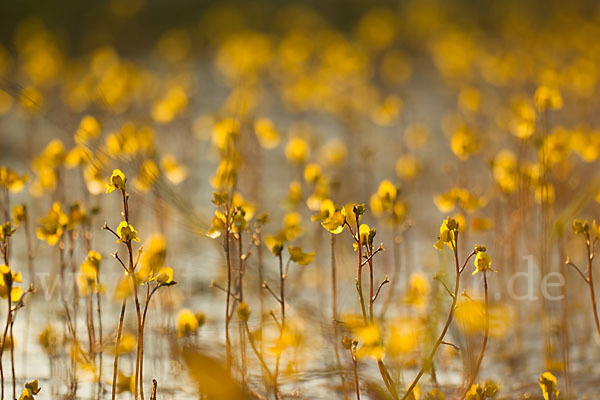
<point x="485" y="337"/>
<point x="440" y="339"/>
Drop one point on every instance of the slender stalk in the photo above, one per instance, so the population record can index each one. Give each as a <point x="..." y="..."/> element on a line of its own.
<point x="4" y="333"/>
<point x="137" y="380"/>
<point x="261" y="298"/>
<point x="257" y="352"/>
<point x="282" y="302"/>
<point x="485" y="337"/>
<point x="334" y="315"/>
<point x="359" y="272"/>
<point x="371" y="292"/>
<point x="228" y="300"/>
<point x="149" y="295"/>
<point x="12" y="359"/>
<point x="116" y="361"/>
<point x="241" y="297"/>
<point x="30" y="268"/>
<point x="154" y="387"/>
<point x="440" y="339"/>
<point x="355" y="368"/>
<point x="100" y="341"/>
<point x="282" y="290"/>
<point x="591" y="254"/>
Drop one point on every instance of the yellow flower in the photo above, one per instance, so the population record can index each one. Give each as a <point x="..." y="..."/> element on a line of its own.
<point x="170" y="105"/>
<point x="19" y="213"/>
<point x="7" y="280"/>
<point x="224" y="131"/>
<point x="363" y="233"/>
<point x="187" y="323"/>
<point x="464" y="142"/>
<point x="79" y="155"/>
<point x="174" y="172"/>
<point x="482" y="262"/>
<point x="52" y="226"/>
<point x="266" y="133"/>
<point x="31" y="389"/>
<point x="474" y="393"/>
<point x="77" y="215"/>
<point x="6" y="230"/>
<point x="297" y="150"/>
<point x="91" y="265"/>
<point x="153" y="257"/>
<point x="417" y="292"/>
<point x="312" y="173"/>
<point x="387" y="190"/>
<point x="299" y="257"/>
<point x="580" y="227"/>
<point x="505" y="171"/>
<point x="387" y="113"/>
<point x="548" y="385"/>
<point x="407" y="167"/>
<point x="89" y="128"/>
<point x="334" y="221"/>
<point x="117" y="181"/>
<point x="126" y="233"/>
<point x="164" y="276"/>
<point x="243" y="311"/>
<point x="546" y="97"/>
<point x="147" y="176"/>
<point x="448" y="233"/>
<point x="11" y="180"/>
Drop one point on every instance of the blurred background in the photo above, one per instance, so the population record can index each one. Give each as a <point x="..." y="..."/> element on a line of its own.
<point x="483" y="111"/>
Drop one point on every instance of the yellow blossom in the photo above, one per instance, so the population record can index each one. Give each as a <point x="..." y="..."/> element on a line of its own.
<point x="266" y="133"/>
<point x="548" y="385"/>
<point x="51" y="227"/>
<point x="546" y="97"/>
<point x="91" y="265"/>
<point x="448" y="234"/>
<point x="19" y="213"/>
<point x="89" y="128"/>
<point x="117" y="181"/>
<point x="174" y="171"/>
<point x="299" y="257"/>
<point x="482" y="262"/>
<point x="187" y="323"/>
<point x="7" y="280"/>
<point x="148" y="174"/>
<point x="164" y="275"/>
<point x="297" y="150"/>
<point x="11" y="180"/>
<point x="126" y="233"/>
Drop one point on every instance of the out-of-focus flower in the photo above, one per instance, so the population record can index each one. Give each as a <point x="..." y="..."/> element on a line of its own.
<point x="174" y="171"/>
<point x="89" y="128"/>
<point x="266" y="133"/>
<point x="11" y="180"/>
<point x="187" y="323"/>
<point x="297" y="150"/>
<point x="546" y="97"/>
<point x="299" y="257"/>
<point x="91" y="266"/>
<point x="148" y="174"/>
<point x="464" y="142"/>
<point x="19" y="213"/>
<point x="52" y="226"/>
